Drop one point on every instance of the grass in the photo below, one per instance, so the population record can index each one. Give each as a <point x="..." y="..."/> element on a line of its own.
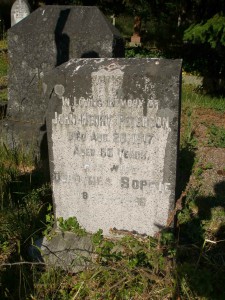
<point x="124" y="269"/>
<point x="3" y="95"/>
<point x="187" y="265"/>
<point x="3" y="64"/>
<point x="3" y="44"/>
<point x="216" y="136"/>
<point x="195" y="98"/>
<point x="24" y="201"/>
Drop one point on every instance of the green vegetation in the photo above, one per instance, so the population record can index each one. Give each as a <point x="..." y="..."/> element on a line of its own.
<point x="124" y="269"/>
<point x="196" y="98"/>
<point x="187" y="263"/>
<point x="125" y="24"/>
<point x="208" y="166"/>
<point x="3" y="64"/>
<point x="140" y="52"/>
<point x="71" y="224"/>
<point x="3" y="95"/>
<point x="24" y="198"/>
<point x="212" y="32"/>
<point x="192" y="30"/>
<point x="3" y="58"/>
<point x="3" y="44"/>
<point x="216" y="136"/>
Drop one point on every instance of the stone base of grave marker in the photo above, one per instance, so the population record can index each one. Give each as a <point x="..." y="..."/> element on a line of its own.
<point x="135" y="41"/>
<point x="65" y="250"/>
<point x="113" y="127"/>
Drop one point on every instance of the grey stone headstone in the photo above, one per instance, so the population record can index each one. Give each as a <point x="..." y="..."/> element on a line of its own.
<point x="19" y="11"/>
<point x="113" y="127"/>
<point x="48" y="37"/>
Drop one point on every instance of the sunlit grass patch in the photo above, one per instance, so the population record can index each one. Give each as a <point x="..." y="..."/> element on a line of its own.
<point x="193" y="98"/>
<point x="3" y="95"/>
<point x="3" y="64"/>
<point x="3" y="44"/>
<point x="216" y="136"/>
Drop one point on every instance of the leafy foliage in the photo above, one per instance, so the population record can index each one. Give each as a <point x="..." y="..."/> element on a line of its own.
<point x="71" y="224"/>
<point x="141" y="52"/>
<point x="212" y="32"/>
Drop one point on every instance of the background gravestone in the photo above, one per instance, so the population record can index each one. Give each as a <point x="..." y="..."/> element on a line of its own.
<point x="113" y="127"/>
<point x="19" y="11"/>
<point x="48" y="37"/>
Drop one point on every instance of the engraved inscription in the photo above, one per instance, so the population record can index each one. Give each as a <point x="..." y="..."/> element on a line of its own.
<point x="77" y="179"/>
<point x="135" y="184"/>
<point x="132" y="138"/>
<point x="113" y="139"/>
<point x="112" y="102"/>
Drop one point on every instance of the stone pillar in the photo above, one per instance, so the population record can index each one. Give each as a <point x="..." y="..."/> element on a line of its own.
<point x="136" y="37"/>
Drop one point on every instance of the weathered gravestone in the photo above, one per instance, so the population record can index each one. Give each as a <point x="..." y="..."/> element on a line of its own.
<point x="19" y="11"/>
<point x="113" y="127"/>
<point x="48" y="37"/>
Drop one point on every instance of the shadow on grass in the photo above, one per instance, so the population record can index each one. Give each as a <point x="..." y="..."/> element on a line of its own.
<point x="26" y="198"/>
<point x="201" y="249"/>
<point x="185" y="164"/>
